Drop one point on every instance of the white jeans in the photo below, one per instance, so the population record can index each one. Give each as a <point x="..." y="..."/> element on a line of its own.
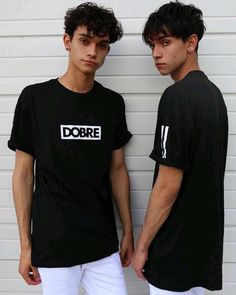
<point x="101" y="277"/>
<point x="193" y="291"/>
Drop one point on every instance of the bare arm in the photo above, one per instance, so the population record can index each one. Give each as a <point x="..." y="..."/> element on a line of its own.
<point x="162" y="198"/>
<point x="23" y="181"/>
<point x="121" y="192"/>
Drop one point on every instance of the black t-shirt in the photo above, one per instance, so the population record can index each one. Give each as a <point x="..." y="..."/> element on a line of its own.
<point x="191" y="134"/>
<point x="71" y="136"/>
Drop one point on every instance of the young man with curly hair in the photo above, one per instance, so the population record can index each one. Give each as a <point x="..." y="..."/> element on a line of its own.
<point x="71" y="131"/>
<point x="181" y="242"/>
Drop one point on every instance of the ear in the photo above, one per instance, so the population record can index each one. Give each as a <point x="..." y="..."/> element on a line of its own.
<point x="109" y="48"/>
<point x="192" y="43"/>
<point x="67" y="41"/>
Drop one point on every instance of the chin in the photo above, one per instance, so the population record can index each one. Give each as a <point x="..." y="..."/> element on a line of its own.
<point x="164" y="73"/>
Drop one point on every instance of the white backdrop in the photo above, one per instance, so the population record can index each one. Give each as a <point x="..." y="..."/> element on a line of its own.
<point x="31" y="50"/>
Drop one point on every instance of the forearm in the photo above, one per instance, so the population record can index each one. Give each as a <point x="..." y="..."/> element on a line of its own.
<point x="121" y="193"/>
<point x="23" y="194"/>
<point x="162" y="198"/>
<point x="157" y="212"/>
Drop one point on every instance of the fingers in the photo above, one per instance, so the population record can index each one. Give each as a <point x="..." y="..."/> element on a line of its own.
<point x="36" y="275"/>
<point x="123" y="258"/>
<point x="139" y="273"/>
<point x="138" y="263"/>
<point x="126" y="257"/>
<point x="31" y="276"/>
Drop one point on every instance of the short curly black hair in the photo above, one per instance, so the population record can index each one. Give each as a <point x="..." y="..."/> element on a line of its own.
<point x="177" y="19"/>
<point x="99" y="20"/>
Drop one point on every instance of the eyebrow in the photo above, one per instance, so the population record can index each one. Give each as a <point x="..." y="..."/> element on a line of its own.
<point x="159" y="38"/>
<point x="88" y="36"/>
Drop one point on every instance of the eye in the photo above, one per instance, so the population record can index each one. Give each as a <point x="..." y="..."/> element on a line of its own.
<point x="151" y="46"/>
<point x="103" y="45"/>
<point x="84" y="41"/>
<point x="165" y="42"/>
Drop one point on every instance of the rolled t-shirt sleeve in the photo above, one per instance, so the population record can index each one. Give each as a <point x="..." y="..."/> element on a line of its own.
<point x="22" y="129"/>
<point x="122" y="133"/>
<point x="173" y="145"/>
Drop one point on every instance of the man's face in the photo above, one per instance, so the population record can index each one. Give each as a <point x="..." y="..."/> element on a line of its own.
<point x="170" y="54"/>
<point x="87" y="52"/>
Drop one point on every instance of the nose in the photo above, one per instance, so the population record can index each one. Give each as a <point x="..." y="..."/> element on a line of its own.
<point x="156" y="52"/>
<point x="92" y="50"/>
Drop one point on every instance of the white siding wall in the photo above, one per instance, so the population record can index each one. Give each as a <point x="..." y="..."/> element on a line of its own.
<point x="31" y="50"/>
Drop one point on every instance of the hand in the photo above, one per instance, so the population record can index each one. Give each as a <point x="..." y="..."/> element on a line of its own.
<point x="126" y="250"/>
<point x="138" y="262"/>
<point x="29" y="273"/>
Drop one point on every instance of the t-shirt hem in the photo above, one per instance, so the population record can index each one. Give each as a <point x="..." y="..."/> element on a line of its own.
<point x="74" y="262"/>
<point x="123" y="141"/>
<point x="12" y="145"/>
<point x="168" y="162"/>
<point x="173" y="288"/>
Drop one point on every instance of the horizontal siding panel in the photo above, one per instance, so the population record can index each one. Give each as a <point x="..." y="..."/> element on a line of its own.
<point x="128" y="45"/>
<point x="114" y="66"/>
<point x="6" y="199"/>
<point x="10" y="250"/>
<point x="5" y="180"/>
<point x="8" y="216"/>
<point x="28" y="293"/>
<point x="231" y="163"/>
<point x="230" y="200"/>
<point x="35" y="9"/>
<point x="133" y="163"/>
<point x="130" y="26"/>
<point x="139" y="123"/>
<point x="137" y="287"/>
<point x="121" y="84"/>
<point x="5" y="151"/>
<point x="7" y="103"/>
<point x="140" y="180"/>
<point x="230" y="235"/>
<point x="9" y="270"/>
<point x="17" y="285"/>
<point x="232" y="145"/>
<point x="139" y="214"/>
<point x="134" y="102"/>
<point x="139" y="145"/>
<point x="10" y="232"/>
<point x="7" y="163"/>
<point x="139" y="199"/>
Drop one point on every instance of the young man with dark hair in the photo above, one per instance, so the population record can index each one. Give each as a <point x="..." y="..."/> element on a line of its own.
<point x="71" y="130"/>
<point x="179" y="250"/>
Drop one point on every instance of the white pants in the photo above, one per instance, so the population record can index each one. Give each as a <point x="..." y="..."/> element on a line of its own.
<point x="193" y="291"/>
<point x="101" y="277"/>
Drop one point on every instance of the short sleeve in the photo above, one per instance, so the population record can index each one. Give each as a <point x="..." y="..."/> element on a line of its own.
<point x="122" y="134"/>
<point x="173" y="145"/>
<point x="22" y="129"/>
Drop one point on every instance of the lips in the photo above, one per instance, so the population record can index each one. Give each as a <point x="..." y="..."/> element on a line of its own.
<point x="160" y="64"/>
<point x="90" y="62"/>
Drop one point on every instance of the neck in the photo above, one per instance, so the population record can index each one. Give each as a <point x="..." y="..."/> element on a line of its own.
<point x="77" y="82"/>
<point x="190" y="65"/>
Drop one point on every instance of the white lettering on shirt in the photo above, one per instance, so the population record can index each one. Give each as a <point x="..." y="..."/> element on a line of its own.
<point x="164" y="134"/>
<point x="81" y="132"/>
